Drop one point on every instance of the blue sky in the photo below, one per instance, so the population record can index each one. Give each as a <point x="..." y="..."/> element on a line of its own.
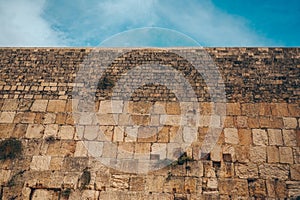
<point x="207" y="22"/>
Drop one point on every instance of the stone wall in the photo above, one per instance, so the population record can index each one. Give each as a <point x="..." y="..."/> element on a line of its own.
<point x="86" y="134"/>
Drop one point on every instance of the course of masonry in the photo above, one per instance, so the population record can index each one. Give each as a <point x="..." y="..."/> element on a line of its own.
<point x="72" y="131"/>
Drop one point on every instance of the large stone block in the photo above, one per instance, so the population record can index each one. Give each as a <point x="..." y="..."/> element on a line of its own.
<point x="66" y="132"/>
<point x="275" y="137"/>
<point x="40" y="163"/>
<point x="295" y="172"/>
<point x="35" y="131"/>
<point x="258" y="154"/>
<point x="290" y="122"/>
<point x="273" y="154"/>
<point x="260" y="137"/>
<point x="273" y="171"/>
<point x="231" y="135"/>
<point x="56" y="106"/>
<point x="286" y="155"/>
<point x="290" y="137"/>
<point x="39" y="105"/>
<point x="245" y="171"/>
<point x="7" y="117"/>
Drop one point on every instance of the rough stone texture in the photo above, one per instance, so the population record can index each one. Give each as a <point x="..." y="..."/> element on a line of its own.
<point x="256" y="156"/>
<point x="231" y="135"/>
<point x="260" y="137"/>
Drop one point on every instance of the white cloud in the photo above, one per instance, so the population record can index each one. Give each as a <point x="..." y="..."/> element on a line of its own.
<point x="90" y="22"/>
<point x="199" y="19"/>
<point x="209" y="25"/>
<point x="22" y="25"/>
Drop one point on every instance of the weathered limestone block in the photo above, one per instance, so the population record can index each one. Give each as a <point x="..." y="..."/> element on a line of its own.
<point x="119" y="182"/>
<point x="7" y="117"/>
<point x="81" y="150"/>
<point x="196" y="168"/>
<point x="216" y="153"/>
<point x="295" y="172"/>
<point x="35" y="131"/>
<point x="260" y="137"/>
<point x="39" y="105"/>
<point x="233" y="109"/>
<point x="265" y="109"/>
<point x="102" y="181"/>
<point x="163" y="135"/>
<point x="61" y="118"/>
<point x="147" y="134"/>
<point x="242" y="121"/>
<point x="272" y="154"/>
<point x="56" y="106"/>
<point x="89" y="194"/>
<point x="118" y="135"/>
<point x="294" y="110"/>
<point x="211" y="183"/>
<point x="66" y="132"/>
<point x="56" y="163"/>
<point x="280" y="109"/>
<point x="24" y="117"/>
<point x="173" y="108"/>
<point x="49" y="118"/>
<point x="257" y="188"/>
<point x="40" y="163"/>
<point x="26" y="193"/>
<point x="105" y="119"/>
<point x="10" y="105"/>
<point x="192" y="185"/>
<point x="19" y="131"/>
<point x="238" y="187"/>
<point x="141" y="120"/>
<point x="137" y="183"/>
<point x="209" y="170"/>
<point x="286" y="155"/>
<point x="128" y="195"/>
<point x="91" y="132"/>
<point x="243" y="153"/>
<point x="51" y="130"/>
<point x="6" y="130"/>
<point x="231" y="135"/>
<point x="289" y="137"/>
<point x="269" y="171"/>
<point x="253" y="122"/>
<point x="226" y="170"/>
<point x="75" y="164"/>
<point x="41" y="194"/>
<point x="4" y="176"/>
<point x="290" y="122"/>
<point x="155" y="183"/>
<point x="70" y="179"/>
<point x="174" y="184"/>
<point x="258" y="154"/>
<point x="275" y="137"/>
<point x="296" y="153"/>
<point x="249" y="170"/>
<point x="113" y="106"/>
<point x="276" y="188"/>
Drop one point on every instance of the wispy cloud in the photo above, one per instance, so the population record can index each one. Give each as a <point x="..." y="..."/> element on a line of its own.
<point x="90" y="22"/>
<point x="22" y="25"/>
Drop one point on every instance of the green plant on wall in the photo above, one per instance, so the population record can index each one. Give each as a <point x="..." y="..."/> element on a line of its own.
<point x="66" y="193"/>
<point x="105" y="83"/>
<point x="85" y="179"/>
<point x="10" y="149"/>
<point x="184" y="158"/>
